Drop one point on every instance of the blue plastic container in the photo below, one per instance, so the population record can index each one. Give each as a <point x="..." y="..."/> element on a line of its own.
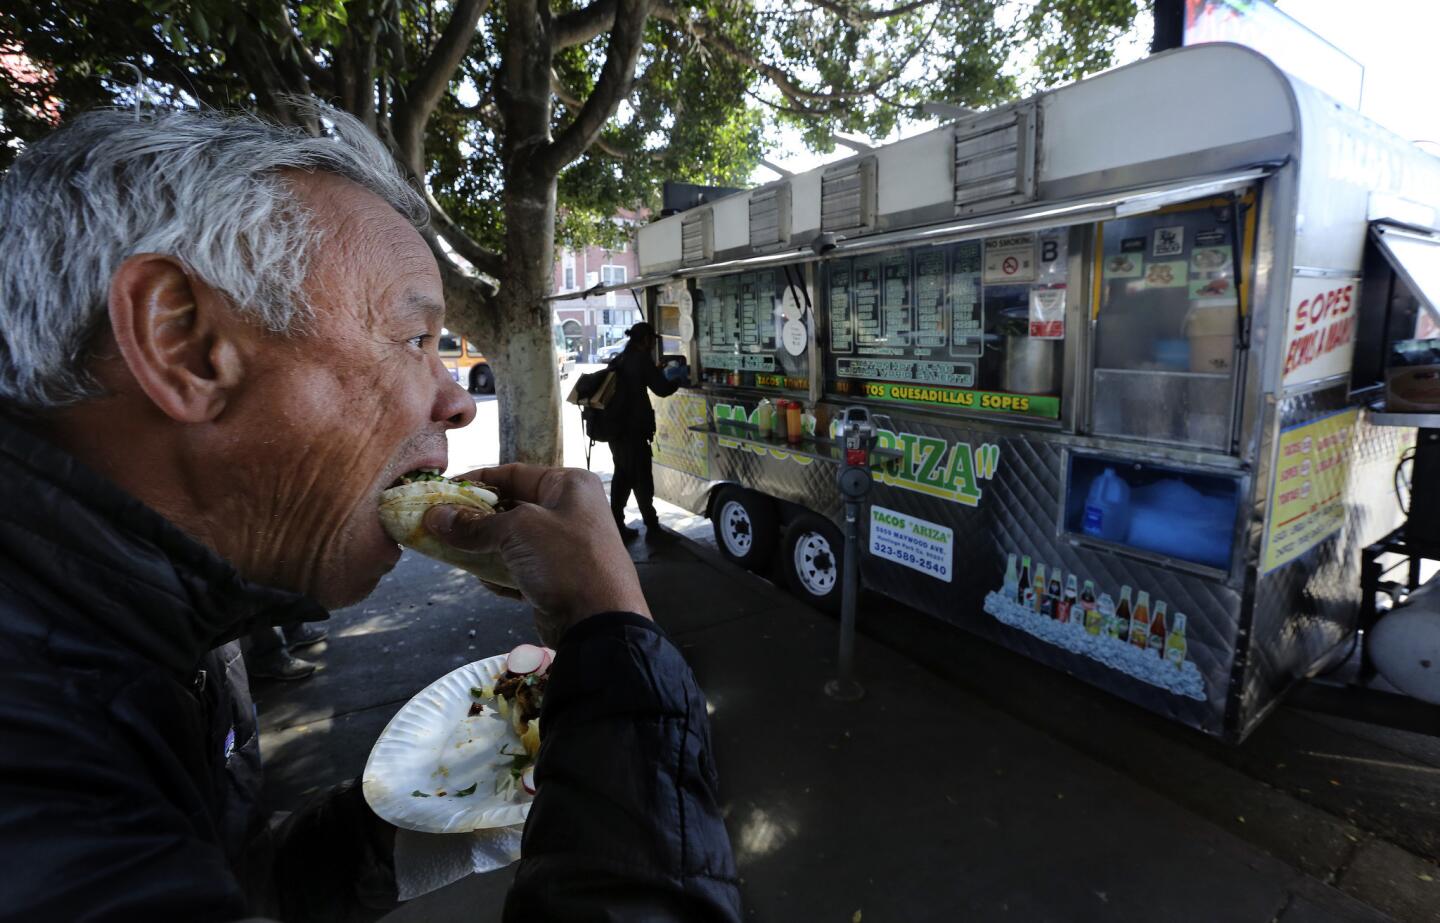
<point x="1107" y="507"/>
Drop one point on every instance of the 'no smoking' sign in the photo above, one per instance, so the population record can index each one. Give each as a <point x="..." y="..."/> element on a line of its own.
<point x="1010" y="259"/>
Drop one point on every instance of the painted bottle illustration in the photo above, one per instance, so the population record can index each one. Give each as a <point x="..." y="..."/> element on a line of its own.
<point x="1140" y="621"/>
<point x="1157" y="630"/>
<point x="1087" y="606"/>
<point x="1012" y="581"/>
<point x="1175" y="644"/>
<point x="1043" y="604"/>
<point x="1072" y="595"/>
<point x="1104" y="616"/>
<point x="1053" y="592"/>
<point x="1027" y="592"/>
<point x="1120" y="626"/>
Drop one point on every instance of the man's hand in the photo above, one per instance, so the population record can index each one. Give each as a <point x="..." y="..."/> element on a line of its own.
<point x="559" y="542"/>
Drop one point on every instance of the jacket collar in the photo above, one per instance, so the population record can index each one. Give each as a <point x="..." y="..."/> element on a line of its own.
<point x="102" y="558"/>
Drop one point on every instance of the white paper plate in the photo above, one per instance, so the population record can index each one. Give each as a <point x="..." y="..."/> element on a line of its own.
<point x="431" y="745"/>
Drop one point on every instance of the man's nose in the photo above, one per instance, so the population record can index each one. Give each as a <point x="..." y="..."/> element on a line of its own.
<point x="453" y="406"/>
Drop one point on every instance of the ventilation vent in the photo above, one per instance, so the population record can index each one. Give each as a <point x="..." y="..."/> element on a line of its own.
<point x="770" y="217"/>
<point x="697" y="237"/>
<point x="847" y="196"/>
<point x="995" y="160"/>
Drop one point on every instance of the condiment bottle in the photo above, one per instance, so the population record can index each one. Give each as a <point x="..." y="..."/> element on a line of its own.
<point x="765" y="418"/>
<point x="793" y="429"/>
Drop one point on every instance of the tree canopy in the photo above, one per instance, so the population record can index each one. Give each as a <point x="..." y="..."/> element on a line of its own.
<point x="512" y="113"/>
<point x="714" y="81"/>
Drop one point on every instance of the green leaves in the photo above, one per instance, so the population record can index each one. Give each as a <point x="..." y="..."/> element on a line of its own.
<point x="717" y="79"/>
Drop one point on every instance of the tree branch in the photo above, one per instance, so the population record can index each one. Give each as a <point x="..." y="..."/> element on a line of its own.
<point x="423" y="93"/>
<point x="857" y="16"/>
<point x="793" y="91"/>
<point x="433" y="77"/>
<point x="614" y="84"/>
<point x="562" y="92"/>
<point x="701" y="32"/>
<point x="580" y="26"/>
<point x="610" y="149"/>
<point x="482" y="258"/>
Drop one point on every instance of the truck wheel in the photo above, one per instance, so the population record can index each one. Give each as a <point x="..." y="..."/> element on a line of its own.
<point x="482" y="380"/>
<point x="812" y="556"/>
<point x="745" y="527"/>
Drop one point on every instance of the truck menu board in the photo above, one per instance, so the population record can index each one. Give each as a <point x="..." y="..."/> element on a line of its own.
<point x="919" y="316"/>
<point x="739" y="319"/>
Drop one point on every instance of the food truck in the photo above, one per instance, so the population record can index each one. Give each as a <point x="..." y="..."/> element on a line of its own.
<point x="1120" y="340"/>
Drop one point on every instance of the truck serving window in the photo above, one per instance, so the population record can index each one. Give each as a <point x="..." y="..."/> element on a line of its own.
<point x="1399" y="298"/>
<point x="1165" y="338"/>
<point x="741" y="322"/>
<point x="973" y="326"/>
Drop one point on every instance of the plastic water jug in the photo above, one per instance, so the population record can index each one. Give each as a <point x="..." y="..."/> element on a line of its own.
<point x="1107" y="507"/>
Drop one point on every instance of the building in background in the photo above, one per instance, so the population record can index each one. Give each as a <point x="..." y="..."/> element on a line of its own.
<point x="596" y="321"/>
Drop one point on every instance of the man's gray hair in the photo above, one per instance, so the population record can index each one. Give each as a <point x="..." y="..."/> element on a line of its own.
<point x="204" y="187"/>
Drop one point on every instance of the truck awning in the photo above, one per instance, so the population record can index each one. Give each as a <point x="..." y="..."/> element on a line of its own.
<point x="1415" y="257"/>
<point x="1036" y="216"/>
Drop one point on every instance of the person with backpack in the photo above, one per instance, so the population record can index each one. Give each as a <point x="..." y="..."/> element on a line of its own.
<point x="633" y="426"/>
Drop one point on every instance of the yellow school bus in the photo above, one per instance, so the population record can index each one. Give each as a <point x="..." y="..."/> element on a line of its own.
<point x="468" y="365"/>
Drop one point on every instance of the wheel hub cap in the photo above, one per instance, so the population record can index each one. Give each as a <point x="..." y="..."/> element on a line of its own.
<point x="736" y="530"/>
<point x="815" y="564"/>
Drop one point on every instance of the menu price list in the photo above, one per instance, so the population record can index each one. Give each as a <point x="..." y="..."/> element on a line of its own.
<point x="954" y="374"/>
<point x="929" y="298"/>
<point x="744" y="362"/>
<point x="967" y="317"/>
<point x="740" y="310"/>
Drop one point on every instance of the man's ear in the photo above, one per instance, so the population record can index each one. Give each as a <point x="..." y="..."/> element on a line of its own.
<point x="176" y="335"/>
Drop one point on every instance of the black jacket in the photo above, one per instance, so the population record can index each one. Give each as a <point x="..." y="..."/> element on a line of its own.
<point x="625" y="825"/>
<point x="129" y="763"/>
<point x="638" y="372"/>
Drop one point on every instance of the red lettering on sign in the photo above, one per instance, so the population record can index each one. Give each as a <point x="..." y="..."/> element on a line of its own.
<point x="1311" y="311"/>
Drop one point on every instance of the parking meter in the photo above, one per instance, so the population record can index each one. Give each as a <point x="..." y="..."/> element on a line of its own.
<point x="857" y="437"/>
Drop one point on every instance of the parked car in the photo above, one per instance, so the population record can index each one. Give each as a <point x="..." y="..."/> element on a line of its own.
<point x="606" y="353"/>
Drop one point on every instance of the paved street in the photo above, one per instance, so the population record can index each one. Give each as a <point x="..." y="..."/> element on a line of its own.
<point x="968" y="784"/>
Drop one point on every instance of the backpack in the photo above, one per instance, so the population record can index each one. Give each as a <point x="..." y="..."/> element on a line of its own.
<point x="598" y="396"/>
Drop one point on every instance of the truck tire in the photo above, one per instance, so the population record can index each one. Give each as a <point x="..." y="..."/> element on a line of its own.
<point x="812" y="557"/>
<point x="482" y="380"/>
<point x="746" y="527"/>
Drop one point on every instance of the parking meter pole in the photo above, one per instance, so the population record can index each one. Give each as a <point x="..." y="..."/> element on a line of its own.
<point x="854" y="482"/>
<point x="845" y="687"/>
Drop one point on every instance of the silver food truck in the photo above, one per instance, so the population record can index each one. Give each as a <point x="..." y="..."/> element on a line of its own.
<point x="1121" y="340"/>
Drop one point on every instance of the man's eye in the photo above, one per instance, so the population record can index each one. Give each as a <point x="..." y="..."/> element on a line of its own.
<point x="421" y="341"/>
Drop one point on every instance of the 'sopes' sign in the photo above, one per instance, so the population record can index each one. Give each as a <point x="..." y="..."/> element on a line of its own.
<point x="1320" y="328"/>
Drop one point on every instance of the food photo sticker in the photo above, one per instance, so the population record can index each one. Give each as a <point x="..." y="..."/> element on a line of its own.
<point x="1215" y="292"/>
<point x="1174" y="274"/>
<point x="1168" y="241"/>
<point x="1124" y="266"/>
<point x="1210" y="259"/>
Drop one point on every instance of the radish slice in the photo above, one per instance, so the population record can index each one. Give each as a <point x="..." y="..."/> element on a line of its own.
<point x="527" y="779"/>
<point x="545" y="664"/>
<point x="525" y="659"/>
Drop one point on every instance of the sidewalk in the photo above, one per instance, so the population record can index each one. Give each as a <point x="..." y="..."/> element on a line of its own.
<point x="921" y="802"/>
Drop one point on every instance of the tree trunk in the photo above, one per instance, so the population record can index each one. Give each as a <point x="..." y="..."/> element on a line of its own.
<point x="523" y="351"/>
<point x="526" y="377"/>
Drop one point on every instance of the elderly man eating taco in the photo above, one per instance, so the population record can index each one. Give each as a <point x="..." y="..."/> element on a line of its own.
<point x="217" y="349"/>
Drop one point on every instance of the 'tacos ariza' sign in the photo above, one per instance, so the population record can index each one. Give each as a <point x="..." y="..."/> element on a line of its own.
<point x="931" y="465"/>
